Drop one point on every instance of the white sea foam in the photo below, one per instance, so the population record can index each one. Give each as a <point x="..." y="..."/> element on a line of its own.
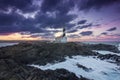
<point x="101" y="70"/>
<point x="106" y="52"/>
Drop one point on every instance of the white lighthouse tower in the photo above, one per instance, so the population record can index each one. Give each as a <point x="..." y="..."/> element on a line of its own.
<point x="61" y="38"/>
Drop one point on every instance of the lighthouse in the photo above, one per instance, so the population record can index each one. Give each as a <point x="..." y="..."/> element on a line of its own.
<point x="61" y="36"/>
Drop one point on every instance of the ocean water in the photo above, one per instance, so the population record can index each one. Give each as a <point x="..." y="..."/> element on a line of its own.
<point x="4" y="44"/>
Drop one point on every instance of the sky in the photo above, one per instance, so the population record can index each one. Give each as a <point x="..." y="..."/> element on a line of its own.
<point x="84" y="20"/>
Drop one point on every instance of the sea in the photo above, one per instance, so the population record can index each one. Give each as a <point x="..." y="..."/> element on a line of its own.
<point x="4" y="44"/>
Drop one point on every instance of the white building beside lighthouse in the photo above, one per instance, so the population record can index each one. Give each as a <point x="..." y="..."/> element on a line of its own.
<point x="61" y="37"/>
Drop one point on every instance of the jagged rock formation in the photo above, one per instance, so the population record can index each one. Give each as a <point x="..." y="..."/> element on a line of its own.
<point x="14" y="60"/>
<point x="112" y="57"/>
<point x="43" y="53"/>
<point x="10" y="70"/>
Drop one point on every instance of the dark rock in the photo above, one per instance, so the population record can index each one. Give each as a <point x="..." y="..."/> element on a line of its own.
<point x="84" y="68"/>
<point x="106" y="47"/>
<point x="13" y="60"/>
<point x="10" y="70"/>
<point x="42" y="53"/>
<point x="113" y="57"/>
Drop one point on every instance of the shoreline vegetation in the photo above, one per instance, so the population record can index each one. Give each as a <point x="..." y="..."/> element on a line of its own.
<point x="14" y="59"/>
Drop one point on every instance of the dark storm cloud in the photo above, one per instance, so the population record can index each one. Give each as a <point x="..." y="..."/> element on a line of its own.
<point x="85" y="26"/>
<point x="62" y="6"/>
<point x="9" y="19"/>
<point x="9" y="22"/>
<point x="72" y="31"/>
<point x="58" y="21"/>
<point x="58" y="15"/>
<point x="88" y="4"/>
<point x="69" y="26"/>
<point x="86" y="33"/>
<point x="29" y="25"/>
<point x="14" y="22"/>
<point x="82" y="22"/>
<point x="104" y="33"/>
<point x="9" y="29"/>
<point x="112" y="29"/>
<point x="24" y="5"/>
<point x="49" y="5"/>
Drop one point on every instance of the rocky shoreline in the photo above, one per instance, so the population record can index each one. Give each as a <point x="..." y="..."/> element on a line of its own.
<point x="10" y="70"/>
<point x="14" y="59"/>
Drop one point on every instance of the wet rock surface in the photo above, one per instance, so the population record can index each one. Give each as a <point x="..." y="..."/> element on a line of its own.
<point x="10" y="70"/>
<point x="84" y="68"/>
<point x="14" y="60"/>
<point x="112" y="57"/>
<point x="43" y="53"/>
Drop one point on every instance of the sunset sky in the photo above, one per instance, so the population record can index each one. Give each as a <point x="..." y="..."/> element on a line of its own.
<point x="84" y="20"/>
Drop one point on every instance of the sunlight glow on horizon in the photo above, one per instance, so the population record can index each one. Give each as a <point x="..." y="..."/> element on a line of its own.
<point x="18" y="36"/>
